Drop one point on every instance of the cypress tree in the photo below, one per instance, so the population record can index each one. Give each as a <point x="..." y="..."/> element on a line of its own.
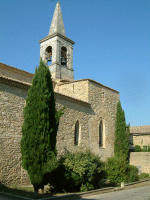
<point x="121" y="145"/>
<point x="39" y="130"/>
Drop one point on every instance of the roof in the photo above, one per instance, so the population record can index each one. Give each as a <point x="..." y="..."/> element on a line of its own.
<point x="140" y="129"/>
<point x="57" y="25"/>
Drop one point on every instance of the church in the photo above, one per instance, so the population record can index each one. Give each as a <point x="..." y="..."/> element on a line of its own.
<point x="88" y="121"/>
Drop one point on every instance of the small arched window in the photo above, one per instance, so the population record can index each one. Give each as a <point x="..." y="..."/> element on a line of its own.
<point x="64" y="56"/>
<point x="101" y="134"/>
<point x="48" y="55"/>
<point x="76" y="134"/>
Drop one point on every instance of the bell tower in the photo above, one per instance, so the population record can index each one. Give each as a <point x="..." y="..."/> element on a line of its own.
<point x="56" y="50"/>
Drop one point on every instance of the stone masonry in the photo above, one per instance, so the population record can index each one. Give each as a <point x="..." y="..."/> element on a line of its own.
<point x="140" y="135"/>
<point x="141" y="160"/>
<point x="89" y="104"/>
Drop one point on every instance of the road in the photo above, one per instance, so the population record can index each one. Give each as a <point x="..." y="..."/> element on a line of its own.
<point x="140" y="193"/>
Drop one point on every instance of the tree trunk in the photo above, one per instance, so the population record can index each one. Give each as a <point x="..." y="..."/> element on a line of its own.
<point x="35" y="190"/>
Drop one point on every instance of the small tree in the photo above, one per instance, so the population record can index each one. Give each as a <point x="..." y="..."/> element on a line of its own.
<point x="39" y="130"/>
<point x="121" y="145"/>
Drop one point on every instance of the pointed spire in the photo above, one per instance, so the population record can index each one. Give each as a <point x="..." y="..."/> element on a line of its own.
<point x="57" y="25"/>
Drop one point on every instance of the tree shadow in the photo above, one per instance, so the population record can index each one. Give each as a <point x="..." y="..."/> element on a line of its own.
<point x="18" y="191"/>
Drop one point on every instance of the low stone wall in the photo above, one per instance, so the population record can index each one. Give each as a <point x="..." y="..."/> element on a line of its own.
<point x="141" y="160"/>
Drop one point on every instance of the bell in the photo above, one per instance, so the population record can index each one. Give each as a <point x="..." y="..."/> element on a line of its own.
<point x="49" y="59"/>
<point x="63" y="61"/>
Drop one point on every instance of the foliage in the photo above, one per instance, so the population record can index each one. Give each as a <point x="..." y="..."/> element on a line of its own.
<point x="137" y="148"/>
<point x="39" y="130"/>
<point x="148" y="148"/>
<point x="143" y="175"/>
<point x="77" y="171"/>
<point x="132" y="174"/>
<point x="116" y="169"/>
<point x="122" y="131"/>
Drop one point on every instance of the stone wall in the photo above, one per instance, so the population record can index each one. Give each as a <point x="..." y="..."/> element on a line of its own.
<point x="143" y="140"/>
<point x="12" y="102"/>
<point x="91" y="103"/>
<point x="140" y="135"/>
<point x="74" y="111"/>
<point x="11" y="120"/>
<point x="77" y="89"/>
<point x="103" y="104"/>
<point x="141" y="160"/>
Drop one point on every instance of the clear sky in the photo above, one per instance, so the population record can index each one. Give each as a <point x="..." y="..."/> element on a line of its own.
<point x="112" y="44"/>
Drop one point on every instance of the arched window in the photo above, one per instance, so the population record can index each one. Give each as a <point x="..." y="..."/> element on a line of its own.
<point x="101" y="134"/>
<point x="76" y="133"/>
<point x="63" y="56"/>
<point x="48" y="55"/>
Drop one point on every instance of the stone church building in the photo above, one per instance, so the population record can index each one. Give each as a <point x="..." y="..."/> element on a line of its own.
<point x="88" y="121"/>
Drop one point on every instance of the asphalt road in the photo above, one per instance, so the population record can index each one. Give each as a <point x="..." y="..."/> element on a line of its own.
<point x="140" y="193"/>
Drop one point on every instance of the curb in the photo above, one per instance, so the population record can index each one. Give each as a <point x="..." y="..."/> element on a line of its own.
<point x="89" y="193"/>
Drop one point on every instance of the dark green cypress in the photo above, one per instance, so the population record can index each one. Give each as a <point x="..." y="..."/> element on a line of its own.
<point x="39" y="130"/>
<point x="121" y="145"/>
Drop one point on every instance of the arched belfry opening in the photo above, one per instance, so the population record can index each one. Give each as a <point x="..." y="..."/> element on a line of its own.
<point x="101" y="134"/>
<point x="64" y="56"/>
<point x="48" y="55"/>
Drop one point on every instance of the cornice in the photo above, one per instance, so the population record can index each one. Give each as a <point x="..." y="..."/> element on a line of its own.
<point x="14" y="82"/>
<point x="139" y="134"/>
<point x="15" y="70"/>
<point x="57" y="34"/>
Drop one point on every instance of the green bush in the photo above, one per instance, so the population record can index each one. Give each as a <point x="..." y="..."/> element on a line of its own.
<point x="77" y="172"/>
<point x="116" y="169"/>
<point x="132" y="174"/>
<point x="143" y="175"/>
<point x="137" y="148"/>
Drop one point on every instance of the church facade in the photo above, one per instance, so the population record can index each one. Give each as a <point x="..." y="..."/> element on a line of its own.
<point x="88" y="121"/>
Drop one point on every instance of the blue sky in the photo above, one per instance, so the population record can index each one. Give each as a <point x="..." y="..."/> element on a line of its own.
<point x="112" y="44"/>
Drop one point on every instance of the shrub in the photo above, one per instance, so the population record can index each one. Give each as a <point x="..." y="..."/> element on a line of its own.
<point x="148" y="148"/>
<point x="143" y="175"/>
<point x="77" y="171"/>
<point x="137" y="148"/>
<point x="132" y="174"/>
<point x="116" y="169"/>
